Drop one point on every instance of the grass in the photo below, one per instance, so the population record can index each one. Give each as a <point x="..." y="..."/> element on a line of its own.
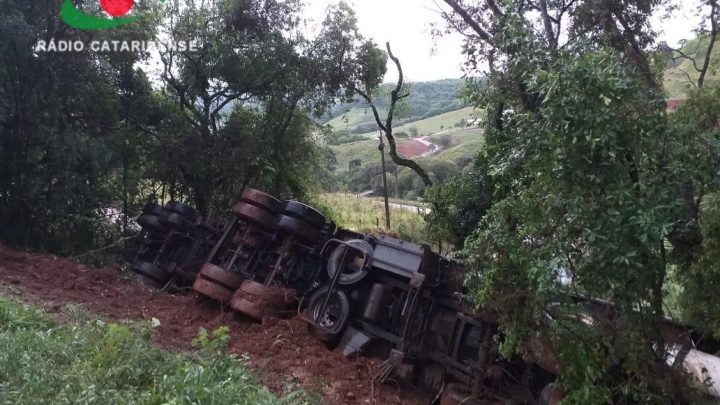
<point x="428" y="126"/>
<point x="466" y="143"/>
<point x="433" y="125"/>
<point x="86" y="360"/>
<point x="355" y="117"/>
<point x="364" y="215"/>
<point x="678" y="80"/>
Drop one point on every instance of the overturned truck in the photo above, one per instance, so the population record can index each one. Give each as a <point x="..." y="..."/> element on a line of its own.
<point x="359" y="293"/>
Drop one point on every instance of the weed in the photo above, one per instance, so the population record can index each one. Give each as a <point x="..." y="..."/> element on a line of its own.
<point x="86" y="360"/>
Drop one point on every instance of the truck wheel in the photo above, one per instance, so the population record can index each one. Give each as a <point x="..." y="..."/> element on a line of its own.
<point x="247" y="307"/>
<point x="150" y="223"/>
<point x="333" y="320"/>
<point x="151" y="271"/>
<point x="351" y="271"/>
<point x="271" y="296"/>
<point x="152" y="208"/>
<point x="255" y="215"/>
<point x="304" y="212"/>
<point x="262" y="200"/>
<point x="254" y="307"/>
<point x="150" y="282"/>
<point x="176" y="221"/>
<point x="182" y="209"/>
<point x="212" y="290"/>
<point x="216" y="273"/>
<point x="297" y="228"/>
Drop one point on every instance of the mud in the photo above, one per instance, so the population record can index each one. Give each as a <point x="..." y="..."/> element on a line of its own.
<point x="281" y="352"/>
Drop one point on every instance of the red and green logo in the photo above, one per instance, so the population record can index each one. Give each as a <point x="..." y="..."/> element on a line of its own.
<point x="115" y="9"/>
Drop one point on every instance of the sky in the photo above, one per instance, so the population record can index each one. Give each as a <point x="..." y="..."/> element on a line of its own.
<point x="407" y="25"/>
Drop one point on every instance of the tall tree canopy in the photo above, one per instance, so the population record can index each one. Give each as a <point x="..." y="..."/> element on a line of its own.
<point x="587" y="189"/>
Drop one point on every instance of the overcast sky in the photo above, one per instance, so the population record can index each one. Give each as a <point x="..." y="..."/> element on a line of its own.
<point x="407" y="25"/>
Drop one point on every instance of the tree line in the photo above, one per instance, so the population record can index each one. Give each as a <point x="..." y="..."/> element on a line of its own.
<point x="88" y="137"/>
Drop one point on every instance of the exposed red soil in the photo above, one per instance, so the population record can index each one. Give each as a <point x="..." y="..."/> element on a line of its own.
<point x="412" y="148"/>
<point x="281" y="352"/>
<point x="673" y="105"/>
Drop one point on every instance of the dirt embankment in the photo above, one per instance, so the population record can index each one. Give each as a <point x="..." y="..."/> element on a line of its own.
<point x="281" y="352"/>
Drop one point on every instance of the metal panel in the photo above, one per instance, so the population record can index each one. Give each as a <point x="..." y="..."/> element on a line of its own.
<point x="397" y="256"/>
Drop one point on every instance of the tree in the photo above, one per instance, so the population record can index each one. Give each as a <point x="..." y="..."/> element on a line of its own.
<point x="361" y="66"/>
<point x="696" y="239"/>
<point x="396" y="96"/>
<point x="254" y="57"/>
<point x="703" y="33"/>
<point x="585" y="173"/>
<point x="60" y="119"/>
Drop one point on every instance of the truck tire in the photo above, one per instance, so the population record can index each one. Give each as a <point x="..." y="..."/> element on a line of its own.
<point x="304" y="212"/>
<point x="255" y="215"/>
<point x="150" y="223"/>
<point x="272" y="296"/>
<point x="221" y="276"/>
<point x="182" y="209"/>
<point x="254" y="309"/>
<point x="152" y="208"/>
<point x="297" y="228"/>
<point x="150" y="282"/>
<point x="176" y="221"/>
<point x="262" y="200"/>
<point x="212" y="290"/>
<point x="150" y="271"/>
<point x="333" y="321"/>
<point x="350" y="274"/>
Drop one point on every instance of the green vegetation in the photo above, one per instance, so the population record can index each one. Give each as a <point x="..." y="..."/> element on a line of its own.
<point x="438" y="123"/>
<point x="427" y="99"/>
<point x="365" y="214"/>
<point x="463" y="147"/>
<point x="681" y="74"/>
<point x="86" y="133"/>
<point x="352" y="118"/>
<point x="586" y="187"/>
<point x="465" y="143"/>
<point x="86" y="360"/>
<point x="459" y="148"/>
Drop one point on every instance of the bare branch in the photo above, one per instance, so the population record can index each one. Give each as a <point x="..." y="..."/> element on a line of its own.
<point x="683" y="55"/>
<point x="482" y="33"/>
<point x="548" y="23"/>
<point x="711" y="45"/>
<point x="395" y="96"/>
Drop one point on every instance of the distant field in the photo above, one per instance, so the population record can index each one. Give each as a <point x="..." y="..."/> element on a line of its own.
<point x="367" y="151"/>
<point x="435" y="124"/>
<point x="678" y="79"/>
<point x="364" y="214"/>
<point x="465" y="144"/>
<point x="355" y="117"/>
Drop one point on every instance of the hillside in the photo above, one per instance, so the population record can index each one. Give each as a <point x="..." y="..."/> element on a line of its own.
<point x="679" y="73"/>
<point x="426" y="100"/>
<point x="448" y="132"/>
